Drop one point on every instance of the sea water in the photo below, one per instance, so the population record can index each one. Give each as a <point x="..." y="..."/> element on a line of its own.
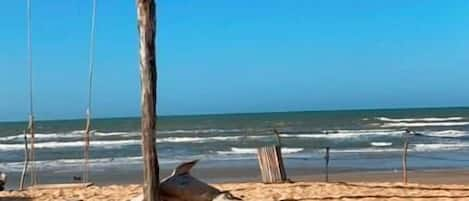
<point x="366" y="139"/>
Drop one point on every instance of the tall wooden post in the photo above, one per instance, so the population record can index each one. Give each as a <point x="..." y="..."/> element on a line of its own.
<point x="404" y="156"/>
<point x="146" y="11"/>
<point x="326" y="158"/>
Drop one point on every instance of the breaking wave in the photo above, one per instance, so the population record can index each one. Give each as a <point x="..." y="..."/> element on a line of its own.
<point x="381" y="144"/>
<point x="235" y="150"/>
<point x="446" y="133"/>
<point x="430" y="119"/>
<point x="439" y="147"/>
<point x="346" y="133"/>
<point x="423" y="124"/>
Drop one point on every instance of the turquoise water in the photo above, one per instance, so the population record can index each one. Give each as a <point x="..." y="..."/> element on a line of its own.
<point x="357" y="139"/>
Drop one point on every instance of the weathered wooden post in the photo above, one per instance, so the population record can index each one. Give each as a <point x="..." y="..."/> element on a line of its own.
<point x="326" y="158"/>
<point x="326" y="166"/>
<point x="146" y="14"/>
<point x="404" y="156"/>
<point x="32" y="157"/>
<point x="26" y="161"/>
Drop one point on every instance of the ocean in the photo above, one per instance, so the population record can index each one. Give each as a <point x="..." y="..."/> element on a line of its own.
<point x="358" y="139"/>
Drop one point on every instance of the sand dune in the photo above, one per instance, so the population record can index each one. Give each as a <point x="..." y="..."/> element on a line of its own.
<point x="301" y="191"/>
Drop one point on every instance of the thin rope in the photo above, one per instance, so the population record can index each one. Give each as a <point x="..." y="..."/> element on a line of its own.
<point x="31" y="109"/>
<point x="91" y="62"/>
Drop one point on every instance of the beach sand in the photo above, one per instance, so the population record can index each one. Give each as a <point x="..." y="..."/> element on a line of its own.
<point x="380" y="185"/>
<point x="261" y="192"/>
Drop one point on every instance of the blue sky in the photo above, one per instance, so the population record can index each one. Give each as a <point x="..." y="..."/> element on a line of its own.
<point x="239" y="56"/>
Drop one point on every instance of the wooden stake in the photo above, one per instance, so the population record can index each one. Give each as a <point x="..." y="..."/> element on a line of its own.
<point x="146" y="11"/>
<point x="31" y="153"/>
<point x="404" y="157"/>
<point x="277" y="137"/>
<point x="26" y="161"/>
<point x="327" y="165"/>
<point x="86" y="149"/>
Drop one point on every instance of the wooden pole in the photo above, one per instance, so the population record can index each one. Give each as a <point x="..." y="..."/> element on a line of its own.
<point x="326" y="179"/>
<point x="31" y="110"/>
<point x="326" y="158"/>
<point x="277" y="137"/>
<point x="26" y="161"/>
<point x="146" y="14"/>
<point x="404" y="157"/>
<point x="86" y="149"/>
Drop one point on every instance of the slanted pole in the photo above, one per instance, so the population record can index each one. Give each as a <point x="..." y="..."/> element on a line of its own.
<point x="146" y="11"/>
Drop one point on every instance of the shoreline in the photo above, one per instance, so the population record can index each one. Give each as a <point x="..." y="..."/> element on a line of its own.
<point x="242" y="175"/>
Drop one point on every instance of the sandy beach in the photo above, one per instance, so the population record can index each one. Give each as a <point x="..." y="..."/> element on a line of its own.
<point x="425" y="185"/>
<point x="261" y="192"/>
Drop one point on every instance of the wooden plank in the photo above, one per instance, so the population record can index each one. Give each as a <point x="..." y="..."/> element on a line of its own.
<point x="271" y="164"/>
<point x="54" y="186"/>
<point x="146" y="14"/>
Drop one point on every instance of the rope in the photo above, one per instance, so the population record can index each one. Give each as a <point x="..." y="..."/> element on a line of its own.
<point x="91" y="62"/>
<point x="31" y="109"/>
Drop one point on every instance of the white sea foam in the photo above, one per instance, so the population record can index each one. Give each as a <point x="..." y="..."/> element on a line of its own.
<point x="210" y="130"/>
<point x="346" y="134"/>
<point x="79" y="134"/>
<point x="235" y="150"/>
<point x="45" y="145"/>
<point x="76" y="164"/>
<point x="381" y="144"/>
<point x="366" y="150"/>
<point x="123" y="134"/>
<point x="447" y="133"/>
<point x="41" y="136"/>
<point x="117" y="143"/>
<point x="430" y="119"/>
<point x="198" y="139"/>
<point x="438" y="147"/>
<point x="422" y="124"/>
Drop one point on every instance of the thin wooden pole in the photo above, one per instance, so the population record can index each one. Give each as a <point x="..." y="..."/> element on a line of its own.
<point x="326" y="158"/>
<point x="86" y="149"/>
<point x="26" y="161"/>
<point x="146" y="11"/>
<point x="277" y="137"/>
<point x="31" y="110"/>
<point x="404" y="157"/>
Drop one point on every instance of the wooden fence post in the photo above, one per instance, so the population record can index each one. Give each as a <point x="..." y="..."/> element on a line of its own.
<point x="26" y="161"/>
<point x="146" y="14"/>
<point x="404" y="156"/>
<point x="327" y="164"/>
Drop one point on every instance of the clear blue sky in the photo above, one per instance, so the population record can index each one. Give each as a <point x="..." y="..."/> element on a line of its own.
<point x="239" y="56"/>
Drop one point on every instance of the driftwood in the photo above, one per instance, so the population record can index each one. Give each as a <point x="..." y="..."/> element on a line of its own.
<point x="181" y="186"/>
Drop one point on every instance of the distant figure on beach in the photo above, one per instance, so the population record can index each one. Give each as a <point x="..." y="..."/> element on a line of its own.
<point x="76" y="178"/>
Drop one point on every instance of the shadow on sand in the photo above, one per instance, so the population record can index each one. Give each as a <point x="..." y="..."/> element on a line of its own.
<point x="380" y="197"/>
<point x="10" y="198"/>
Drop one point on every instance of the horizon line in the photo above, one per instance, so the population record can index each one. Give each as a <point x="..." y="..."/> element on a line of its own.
<point x="247" y="113"/>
